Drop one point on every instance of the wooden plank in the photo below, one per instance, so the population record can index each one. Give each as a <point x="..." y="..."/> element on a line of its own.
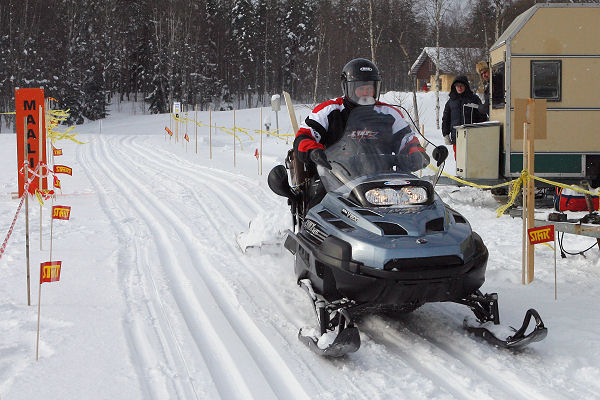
<point x="532" y="111"/>
<point x="572" y="227"/>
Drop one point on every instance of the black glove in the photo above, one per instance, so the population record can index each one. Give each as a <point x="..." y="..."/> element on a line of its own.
<point x="413" y="162"/>
<point x="440" y="153"/>
<point x="318" y="157"/>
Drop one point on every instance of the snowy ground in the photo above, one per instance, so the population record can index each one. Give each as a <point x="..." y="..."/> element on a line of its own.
<point x="156" y="301"/>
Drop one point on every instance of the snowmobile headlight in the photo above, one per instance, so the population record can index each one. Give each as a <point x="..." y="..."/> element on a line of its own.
<point x="397" y="197"/>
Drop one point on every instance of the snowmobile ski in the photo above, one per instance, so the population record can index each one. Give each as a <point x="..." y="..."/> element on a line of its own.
<point x="337" y="334"/>
<point x="486" y="323"/>
<point x="346" y="341"/>
<point x="246" y="245"/>
<point x="513" y="338"/>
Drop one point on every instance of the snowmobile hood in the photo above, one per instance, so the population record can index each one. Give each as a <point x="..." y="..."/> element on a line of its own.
<point x="380" y="234"/>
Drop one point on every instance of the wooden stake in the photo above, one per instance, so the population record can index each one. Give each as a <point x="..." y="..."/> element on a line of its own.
<point x="425" y="143"/>
<point x="234" y="138"/>
<point x="210" y="131"/>
<point x="525" y="238"/>
<point x="37" y="339"/>
<point x="261" y="144"/>
<point x="196" y="126"/>
<point x="555" y="283"/>
<point x="530" y="191"/>
<point x="529" y="135"/>
<point x="290" y="107"/>
<point x="26" y="172"/>
<point x="530" y="206"/>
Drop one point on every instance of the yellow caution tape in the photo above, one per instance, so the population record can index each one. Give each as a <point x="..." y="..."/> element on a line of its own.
<point x="39" y="197"/>
<point x="513" y="192"/>
<point x="457" y="179"/>
<point x="562" y="185"/>
<point x="515" y="187"/>
<point x="230" y="130"/>
<point x="55" y="117"/>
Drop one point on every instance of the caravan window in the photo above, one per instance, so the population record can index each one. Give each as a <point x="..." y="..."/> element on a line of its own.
<point x="546" y="80"/>
<point x="498" y="97"/>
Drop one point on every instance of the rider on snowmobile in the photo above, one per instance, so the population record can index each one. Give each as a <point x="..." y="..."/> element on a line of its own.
<point x="326" y="124"/>
<point x="369" y="237"/>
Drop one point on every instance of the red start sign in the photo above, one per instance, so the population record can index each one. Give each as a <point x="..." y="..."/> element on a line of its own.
<point x="541" y="234"/>
<point x="50" y="271"/>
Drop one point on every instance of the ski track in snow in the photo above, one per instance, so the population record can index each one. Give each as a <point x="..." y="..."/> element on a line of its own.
<point x="445" y="359"/>
<point x="233" y="340"/>
<point x="206" y="179"/>
<point x="185" y="175"/>
<point x="203" y="322"/>
<point x="146" y="323"/>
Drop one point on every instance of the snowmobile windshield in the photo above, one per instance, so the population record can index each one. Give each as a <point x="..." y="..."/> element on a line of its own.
<point x="367" y="150"/>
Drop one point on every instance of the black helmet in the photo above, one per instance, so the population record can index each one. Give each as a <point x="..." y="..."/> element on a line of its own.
<point x="358" y="73"/>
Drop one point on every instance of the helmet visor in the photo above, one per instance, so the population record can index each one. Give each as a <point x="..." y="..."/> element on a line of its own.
<point x="363" y="92"/>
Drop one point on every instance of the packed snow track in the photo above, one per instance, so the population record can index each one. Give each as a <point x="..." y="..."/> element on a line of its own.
<point x="202" y="320"/>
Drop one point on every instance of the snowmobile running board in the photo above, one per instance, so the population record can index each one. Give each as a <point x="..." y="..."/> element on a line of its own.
<point x="515" y="341"/>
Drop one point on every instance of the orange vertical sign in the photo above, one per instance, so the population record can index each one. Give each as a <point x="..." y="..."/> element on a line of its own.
<point x="27" y="105"/>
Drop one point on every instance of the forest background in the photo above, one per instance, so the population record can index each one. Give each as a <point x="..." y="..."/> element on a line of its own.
<point x="91" y="55"/>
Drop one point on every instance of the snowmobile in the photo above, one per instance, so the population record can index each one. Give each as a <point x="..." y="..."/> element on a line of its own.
<point x="370" y="236"/>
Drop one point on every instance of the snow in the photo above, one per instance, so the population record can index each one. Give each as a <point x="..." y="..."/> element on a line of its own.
<point x="156" y="301"/>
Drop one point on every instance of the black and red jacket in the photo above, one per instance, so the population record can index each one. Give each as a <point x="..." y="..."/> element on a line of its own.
<point x="327" y="122"/>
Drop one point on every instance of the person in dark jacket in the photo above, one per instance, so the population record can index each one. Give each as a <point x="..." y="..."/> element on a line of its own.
<point x="483" y="70"/>
<point x="461" y="108"/>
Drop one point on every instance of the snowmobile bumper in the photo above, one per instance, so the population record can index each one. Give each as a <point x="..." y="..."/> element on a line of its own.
<point x="413" y="281"/>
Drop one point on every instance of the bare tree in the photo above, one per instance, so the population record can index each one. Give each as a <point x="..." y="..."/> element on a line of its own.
<point x="320" y="48"/>
<point x="371" y="38"/>
<point x="500" y="7"/>
<point x="435" y="10"/>
<point x="414" y="88"/>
